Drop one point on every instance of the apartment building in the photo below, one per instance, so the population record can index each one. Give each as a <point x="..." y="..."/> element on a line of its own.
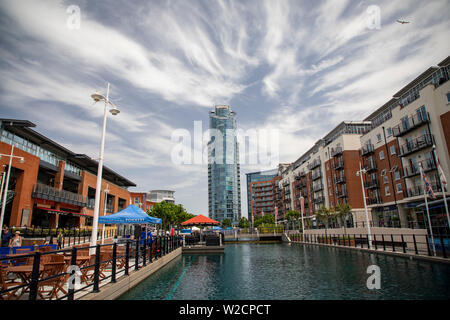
<point x="54" y="186"/>
<point x="403" y="133"/>
<point x="261" y="189"/>
<point x="142" y="200"/>
<point x="326" y="174"/>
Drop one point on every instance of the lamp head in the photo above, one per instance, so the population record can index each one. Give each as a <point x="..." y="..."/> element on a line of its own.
<point x="22" y="160"/>
<point x="97" y="97"/>
<point x="114" y="111"/>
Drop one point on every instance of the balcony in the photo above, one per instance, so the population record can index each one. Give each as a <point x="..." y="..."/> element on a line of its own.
<point x="42" y="191"/>
<point x="339" y="179"/>
<point x="413" y="170"/>
<point x="417" y="144"/>
<point x="341" y="194"/>
<point x="299" y="175"/>
<point x="316" y="175"/>
<point x="338" y="165"/>
<point x="318" y="187"/>
<point x="367" y="149"/>
<point x="285" y="183"/>
<point x="371" y="166"/>
<point x="370" y="184"/>
<point x="314" y="164"/>
<point x="419" y="190"/>
<point x="411" y="123"/>
<point x="336" y="151"/>
<point x="373" y="200"/>
<point x="319" y="200"/>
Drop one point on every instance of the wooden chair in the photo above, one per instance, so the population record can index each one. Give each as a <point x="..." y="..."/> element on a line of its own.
<point x="55" y="271"/>
<point x="46" y="249"/>
<point x="5" y="285"/>
<point x="56" y="258"/>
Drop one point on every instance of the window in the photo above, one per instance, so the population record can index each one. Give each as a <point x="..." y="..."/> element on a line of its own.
<point x="383" y="172"/>
<point x="397" y="175"/>
<point x="392" y="149"/>
<point x="379" y="137"/>
<point x="448" y="97"/>
<point x="399" y="188"/>
<point x="385" y="179"/>
<point x="386" y="191"/>
<point x="389" y="131"/>
<point x="328" y="166"/>
<point x="381" y="155"/>
<point x="331" y="192"/>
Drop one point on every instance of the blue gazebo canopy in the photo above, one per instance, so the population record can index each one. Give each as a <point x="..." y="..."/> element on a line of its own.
<point x="131" y="214"/>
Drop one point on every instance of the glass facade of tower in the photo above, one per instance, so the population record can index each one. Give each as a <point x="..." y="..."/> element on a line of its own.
<point x="224" y="191"/>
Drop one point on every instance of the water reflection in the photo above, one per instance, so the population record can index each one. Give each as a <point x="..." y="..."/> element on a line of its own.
<point x="281" y="271"/>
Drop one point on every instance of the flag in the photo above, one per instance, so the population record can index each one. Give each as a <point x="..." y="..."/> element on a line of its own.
<point x="302" y="203"/>
<point x="428" y="188"/>
<point x="441" y="174"/>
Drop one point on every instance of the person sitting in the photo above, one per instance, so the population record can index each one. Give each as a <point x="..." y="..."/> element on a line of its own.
<point x="6" y="236"/>
<point x="16" y="241"/>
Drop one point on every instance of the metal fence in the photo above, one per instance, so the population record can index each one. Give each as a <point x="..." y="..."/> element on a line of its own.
<point x="404" y="243"/>
<point x="50" y="275"/>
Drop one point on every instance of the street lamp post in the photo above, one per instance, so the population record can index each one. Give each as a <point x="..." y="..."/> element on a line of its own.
<point x="114" y="111"/>
<point x="360" y="173"/>
<point x="104" y="213"/>
<point x="5" y="193"/>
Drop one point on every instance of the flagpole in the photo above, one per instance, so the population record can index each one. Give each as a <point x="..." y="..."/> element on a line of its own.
<point x="439" y="168"/>
<point x="426" y="205"/>
<point x="302" y="201"/>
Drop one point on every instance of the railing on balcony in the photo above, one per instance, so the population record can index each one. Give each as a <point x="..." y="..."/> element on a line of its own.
<point x="338" y="165"/>
<point x="42" y="191"/>
<point x="370" y="166"/>
<point x="336" y="151"/>
<point x="417" y="144"/>
<point x="419" y="191"/>
<point x="373" y="200"/>
<point x="414" y="169"/>
<point x="410" y="123"/>
<point x="341" y="194"/>
<point x="316" y="175"/>
<point x="373" y="183"/>
<point x="314" y="164"/>
<point x="339" y="179"/>
<point x="318" y="187"/>
<point x="318" y="200"/>
<point x="367" y="149"/>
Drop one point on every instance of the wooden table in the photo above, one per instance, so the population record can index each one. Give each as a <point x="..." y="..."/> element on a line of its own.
<point x="24" y="272"/>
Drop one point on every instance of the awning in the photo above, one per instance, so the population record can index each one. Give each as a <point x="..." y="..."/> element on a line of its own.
<point x="131" y="215"/>
<point x="200" y="220"/>
<point x="63" y="212"/>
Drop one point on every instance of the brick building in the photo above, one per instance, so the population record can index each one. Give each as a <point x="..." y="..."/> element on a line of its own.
<point x="54" y="186"/>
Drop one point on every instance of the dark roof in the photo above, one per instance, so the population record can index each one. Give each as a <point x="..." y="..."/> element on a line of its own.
<point x="444" y="62"/>
<point x="417" y="80"/>
<point x="23" y="129"/>
<point x="380" y="109"/>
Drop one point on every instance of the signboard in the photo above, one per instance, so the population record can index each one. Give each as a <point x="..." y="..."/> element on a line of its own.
<point x="25" y="216"/>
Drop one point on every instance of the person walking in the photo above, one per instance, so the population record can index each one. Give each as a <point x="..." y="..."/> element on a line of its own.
<point x="59" y="240"/>
<point x="16" y="241"/>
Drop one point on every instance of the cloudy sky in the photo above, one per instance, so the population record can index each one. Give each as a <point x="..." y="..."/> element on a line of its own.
<point x="299" y="67"/>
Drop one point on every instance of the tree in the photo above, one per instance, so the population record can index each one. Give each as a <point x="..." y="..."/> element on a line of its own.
<point x="226" y="223"/>
<point x="342" y="211"/>
<point x="324" y="215"/>
<point x="171" y="214"/>
<point x="292" y="215"/>
<point x="244" y="223"/>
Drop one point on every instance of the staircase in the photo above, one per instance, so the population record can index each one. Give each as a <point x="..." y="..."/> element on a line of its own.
<point x="9" y="197"/>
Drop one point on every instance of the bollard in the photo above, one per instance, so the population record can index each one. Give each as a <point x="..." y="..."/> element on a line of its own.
<point x="35" y="276"/>
<point x="136" y="255"/>
<point x="114" y="263"/>
<point x="415" y="244"/>
<point x="73" y="262"/>
<point x="444" y="253"/>
<point x="127" y="257"/>
<point x="96" y="269"/>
